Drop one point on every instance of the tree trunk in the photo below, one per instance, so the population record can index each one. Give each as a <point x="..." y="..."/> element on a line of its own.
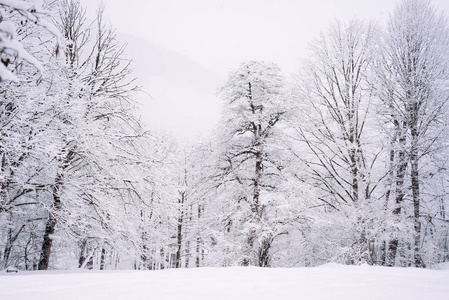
<point x="88" y="262"/>
<point x="187" y="256"/>
<point x="102" y="258"/>
<point x="9" y="243"/>
<point x="162" y="264"/>
<point x="264" y="253"/>
<point x="414" y="170"/>
<point x="177" y="262"/>
<point x="416" y="203"/>
<point x="354" y="175"/>
<point x="401" y="168"/>
<point x="384" y="259"/>
<point x="47" y="243"/>
<point x="198" y="241"/>
<point x="51" y="224"/>
<point x="257" y="178"/>
<point x="7" y="252"/>
<point x="82" y="255"/>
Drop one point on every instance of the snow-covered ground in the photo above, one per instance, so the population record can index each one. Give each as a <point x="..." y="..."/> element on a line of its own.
<point x="330" y="281"/>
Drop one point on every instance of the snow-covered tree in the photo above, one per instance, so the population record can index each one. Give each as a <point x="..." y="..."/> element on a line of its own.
<point x="101" y="124"/>
<point x="413" y="86"/>
<point x="25" y="137"/>
<point x="249" y="162"/>
<point x="194" y="169"/>
<point x="78" y="170"/>
<point x="333" y="138"/>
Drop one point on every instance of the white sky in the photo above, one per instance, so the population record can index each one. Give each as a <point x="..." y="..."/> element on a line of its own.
<point x="184" y="49"/>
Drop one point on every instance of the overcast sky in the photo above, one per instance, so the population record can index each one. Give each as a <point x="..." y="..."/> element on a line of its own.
<point x="184" y="49"/>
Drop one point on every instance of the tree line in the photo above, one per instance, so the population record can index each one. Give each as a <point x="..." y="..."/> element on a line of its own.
<point x="344" y="162"/>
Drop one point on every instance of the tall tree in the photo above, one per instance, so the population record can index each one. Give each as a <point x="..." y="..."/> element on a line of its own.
<point x="24" y="134"/>
<point x="249" y="166"/>
<point x="101" y="127"/>
<point x="414" y="90"/>
<point x="334" y="101"/>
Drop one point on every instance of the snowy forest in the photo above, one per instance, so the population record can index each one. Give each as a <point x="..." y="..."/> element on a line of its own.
<point x="345" y="161"/>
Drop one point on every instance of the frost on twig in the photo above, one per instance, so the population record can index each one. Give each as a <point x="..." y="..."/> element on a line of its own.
<point x="10" y="47"/>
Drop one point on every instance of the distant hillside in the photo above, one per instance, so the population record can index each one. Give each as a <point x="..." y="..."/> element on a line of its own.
<point x="167" y="76"/>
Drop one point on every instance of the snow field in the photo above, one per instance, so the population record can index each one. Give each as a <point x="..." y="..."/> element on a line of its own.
<point x="329" y="281"/>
